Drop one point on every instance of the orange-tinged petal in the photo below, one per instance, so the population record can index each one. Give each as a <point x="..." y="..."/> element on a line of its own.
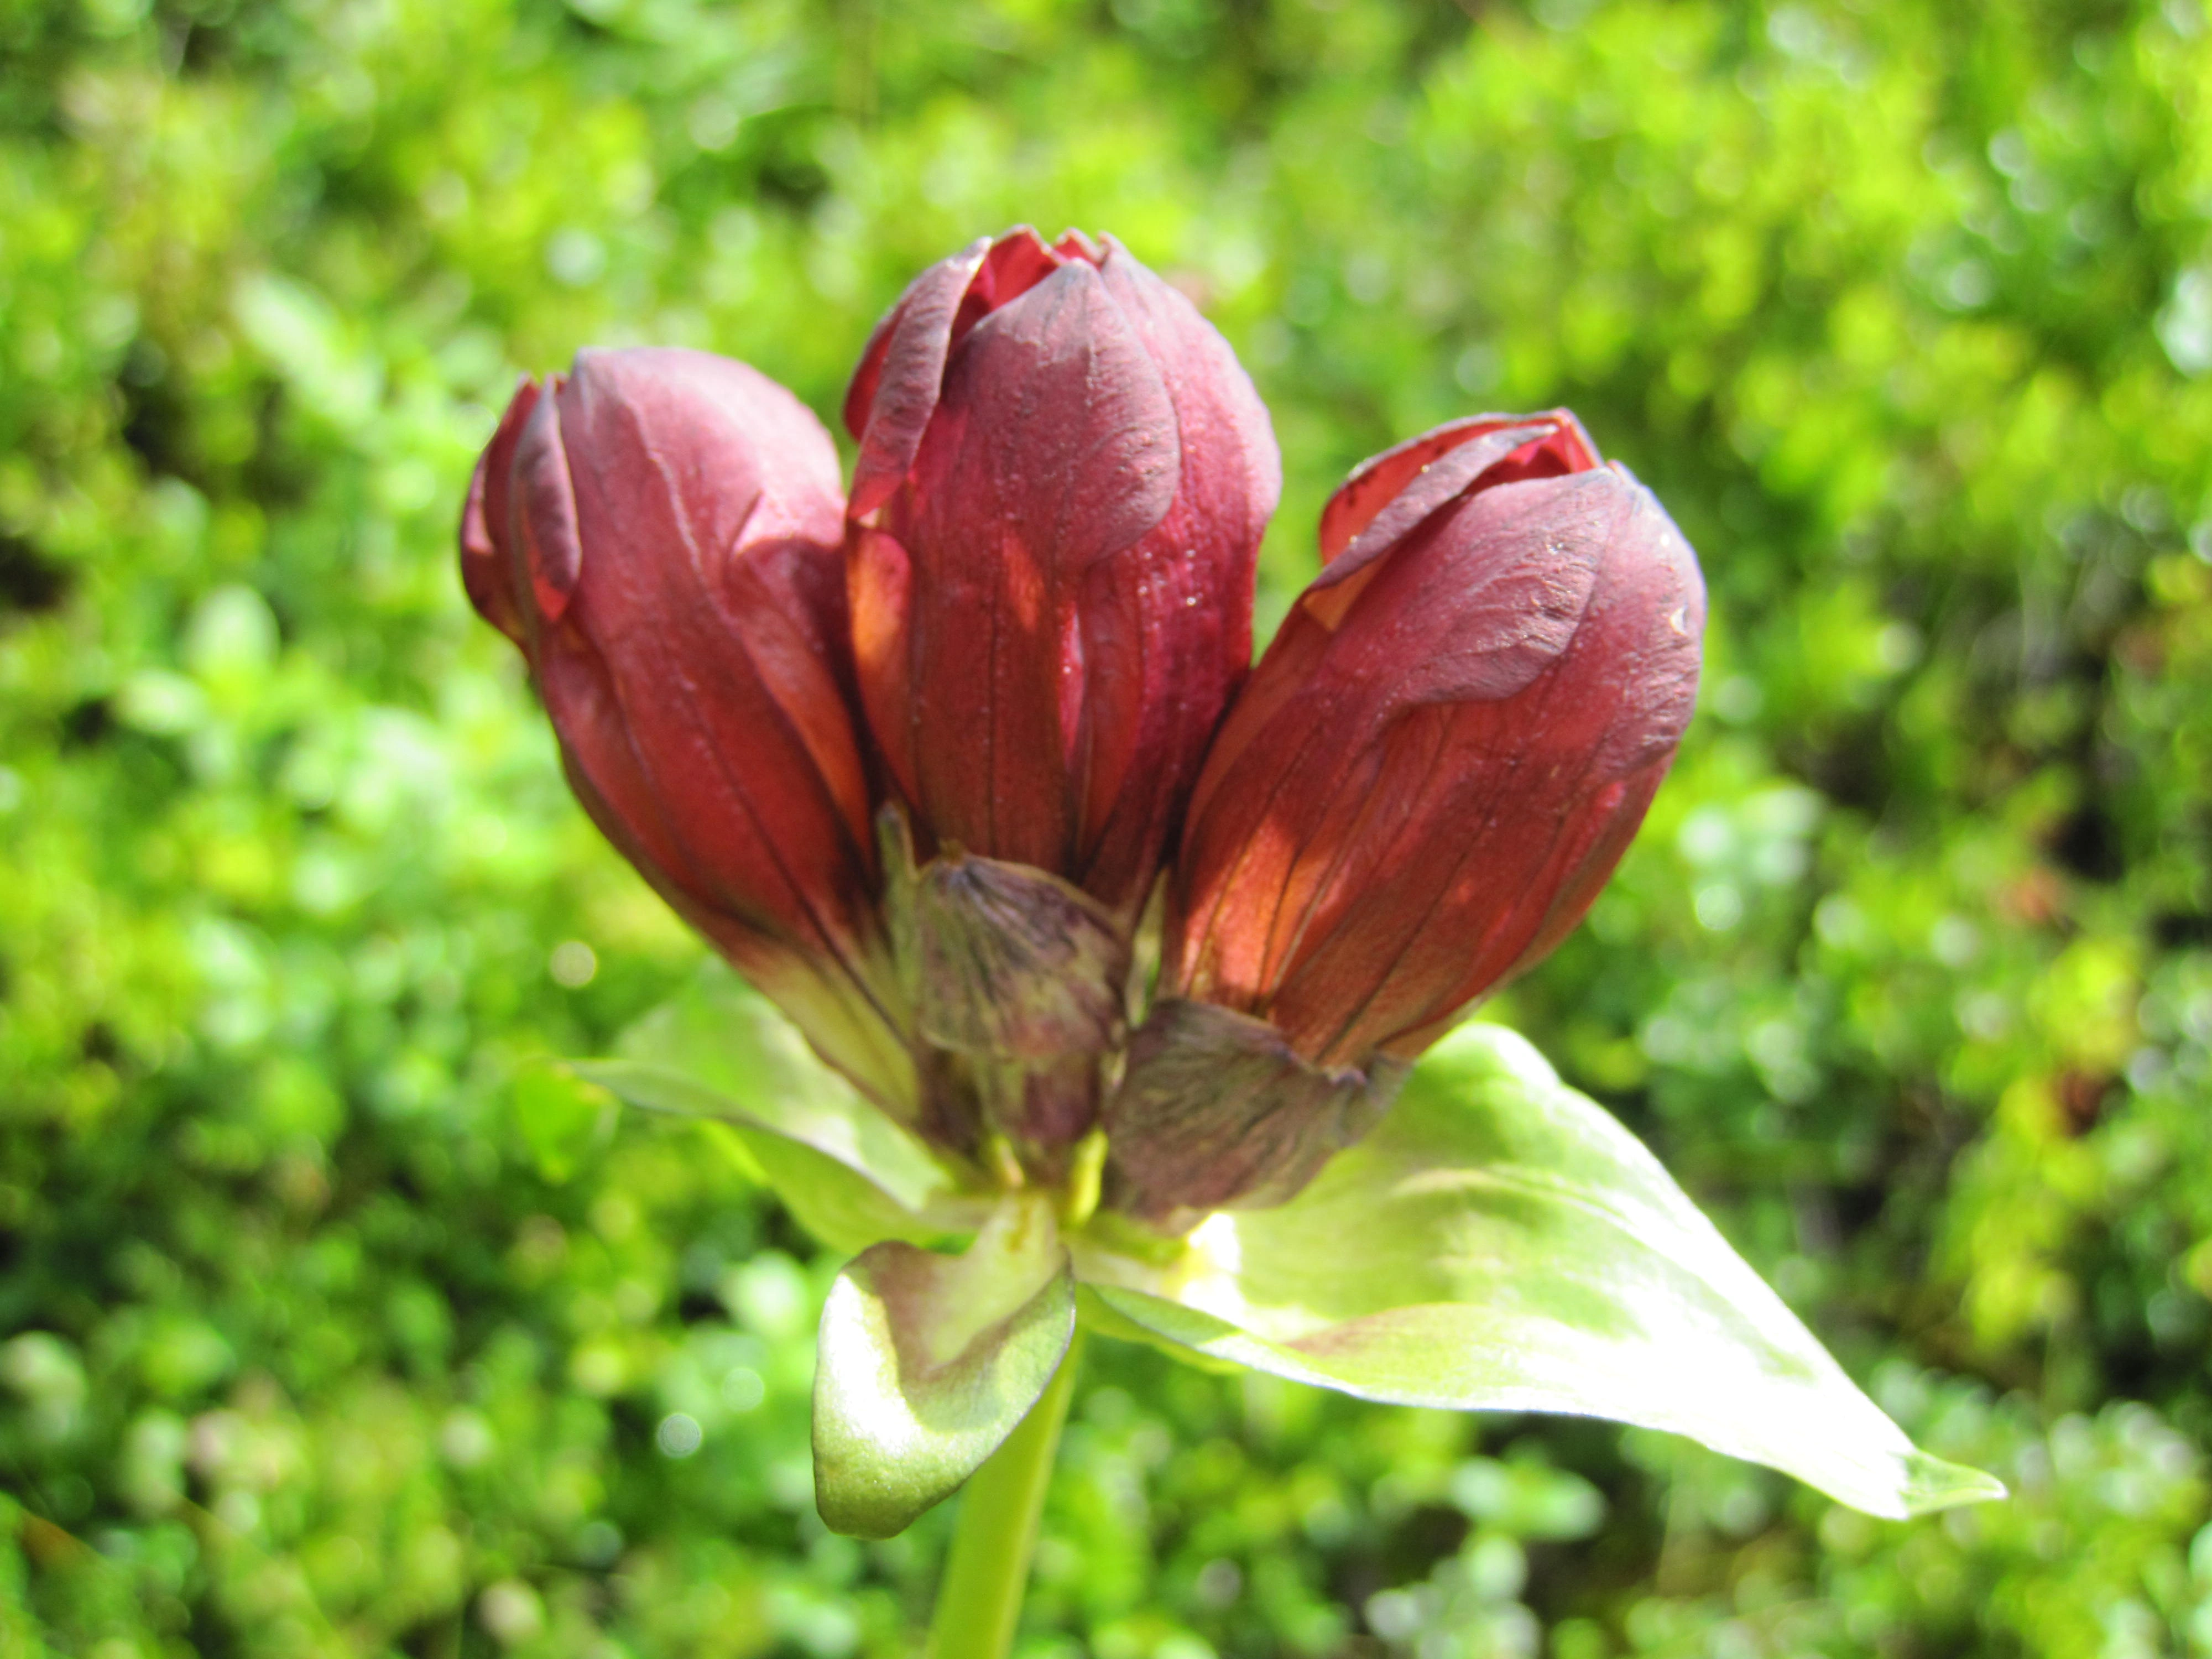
<point x="1448" y="747"/>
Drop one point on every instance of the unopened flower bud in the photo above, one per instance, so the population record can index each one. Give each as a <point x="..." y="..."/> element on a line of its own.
<point x="1062" y="482"/>
<point x="1431" y="773"/>
<point x="658" y="531"/>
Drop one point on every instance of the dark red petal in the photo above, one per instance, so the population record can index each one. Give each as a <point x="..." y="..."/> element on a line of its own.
<point x="1419" y="795"/>
<point x="1284" y="674"/>
<point x="901" y="373"/>
<point x="1471" y="609"/>
<point x="663" y="531"/>
<point x="1450" y="475"/>
<point x="712" y="606"/>
<point x="879" y="590"/>
<point x="1559" y="446"/>
<point x="1474" y="608"/>
<point x="1075" y="244"/>
<point x="484" y="571"/>
<point x="1167" y="632"/>
<point x="544" y="512"/>
<point x="1053" y="447"/>
<point x="1232" y="471"/>
<point x="1051" y="606"/>
<point x="868" y="374"/>
<point x="1542" y="790"/>
<point x="1016" y="263"/>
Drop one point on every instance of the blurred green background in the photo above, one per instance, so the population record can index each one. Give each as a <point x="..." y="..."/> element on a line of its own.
<point x="333" y="1320"/>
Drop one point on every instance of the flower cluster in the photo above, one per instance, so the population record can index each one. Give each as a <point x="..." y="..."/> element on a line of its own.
<point x="969" y="771"/>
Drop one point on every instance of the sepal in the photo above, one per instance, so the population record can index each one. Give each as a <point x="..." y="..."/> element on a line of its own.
<point x="1014" y="963"/>
<point x="1217" y="1109"/>
<point x="1019" y="978"/>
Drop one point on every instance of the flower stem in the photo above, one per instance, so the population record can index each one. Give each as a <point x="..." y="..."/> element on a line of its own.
<point x="979" y="1602"/>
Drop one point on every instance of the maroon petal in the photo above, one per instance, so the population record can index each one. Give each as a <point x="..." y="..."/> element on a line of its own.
<point x="660" y="531"/>
<point x="1439" y="482"/>
<point x="711" y="489"/>
<point x="1053" y="447"/>
<point x="544" y="505"/>
<point x="1016" y="263"/>
<point x="1556" y="446"/>
<point x="1440" y="760"/>
<point x="1052" y="606"/>
<point x="484" y="575"/>
<point x="1168" y="633"/>
<point x="895" y="390"/>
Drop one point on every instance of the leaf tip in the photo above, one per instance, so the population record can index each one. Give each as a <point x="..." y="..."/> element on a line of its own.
<point x="1930" y="1484"/>
<point x="850" y="1504"/>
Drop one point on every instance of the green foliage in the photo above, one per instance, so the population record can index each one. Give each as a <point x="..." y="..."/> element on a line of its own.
<point x="848" y="1174"/>
<point x="326" y="1328"/>
<point x="926" y="1362"/>
<point x="1500" y="1242"/>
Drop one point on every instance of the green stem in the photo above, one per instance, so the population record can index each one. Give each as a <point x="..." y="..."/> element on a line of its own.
<point x="979" y="1602"/>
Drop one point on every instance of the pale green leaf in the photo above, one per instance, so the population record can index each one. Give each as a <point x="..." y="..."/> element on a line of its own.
<point x="1501" y="1242"/>
<point x="927" y="1363"/>
<point x="837" y="1202"/>
<point x="848" y="1174"/>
